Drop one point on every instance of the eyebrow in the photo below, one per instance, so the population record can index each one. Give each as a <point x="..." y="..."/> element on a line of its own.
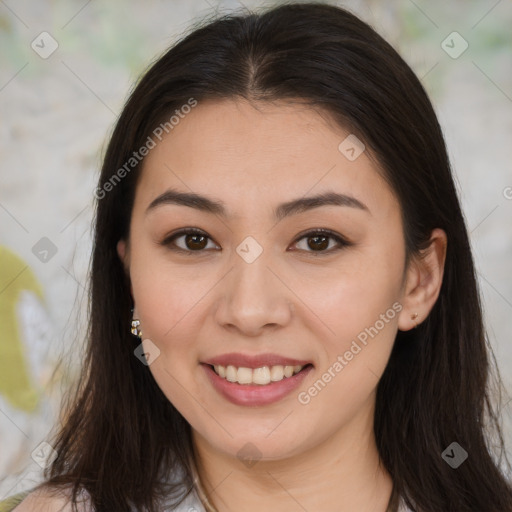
<point x="217" y="207"/>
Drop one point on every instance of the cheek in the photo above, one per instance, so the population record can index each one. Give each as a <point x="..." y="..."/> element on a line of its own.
<point x="354" y="296"/>
<point x="165" y="296"/>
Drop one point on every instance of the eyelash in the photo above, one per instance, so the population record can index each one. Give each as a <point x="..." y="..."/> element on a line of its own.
<point x="169" y="240"/>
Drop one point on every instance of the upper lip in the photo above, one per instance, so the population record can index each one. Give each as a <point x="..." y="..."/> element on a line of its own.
<point x="254" y="361"/>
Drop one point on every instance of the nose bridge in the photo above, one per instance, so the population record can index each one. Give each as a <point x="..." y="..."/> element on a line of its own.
<point x="254" y="297"/>
<point x="251" y="273"/>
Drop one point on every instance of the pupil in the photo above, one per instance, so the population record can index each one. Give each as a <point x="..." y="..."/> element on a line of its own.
<point x="322" y="245"/>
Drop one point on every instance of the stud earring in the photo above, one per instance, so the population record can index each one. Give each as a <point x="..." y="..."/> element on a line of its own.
<point x="135" y="329"/>
<point x="413" y="317"/>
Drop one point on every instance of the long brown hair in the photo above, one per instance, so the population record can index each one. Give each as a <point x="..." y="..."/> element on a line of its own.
<point x="122" y="440"/>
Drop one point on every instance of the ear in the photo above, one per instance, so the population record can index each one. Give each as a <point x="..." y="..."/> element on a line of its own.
<point x="423" y="282"/>
<point x="123" y="252"/>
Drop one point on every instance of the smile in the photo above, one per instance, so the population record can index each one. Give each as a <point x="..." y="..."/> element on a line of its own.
<point x="255" y="387"/>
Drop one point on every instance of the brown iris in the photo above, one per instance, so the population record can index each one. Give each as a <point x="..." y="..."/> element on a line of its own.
<point x="319" y="242"/>
<point x="195" y="241"/>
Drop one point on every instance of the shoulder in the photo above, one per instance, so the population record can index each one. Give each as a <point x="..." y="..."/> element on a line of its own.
<point x="44" y="500"/>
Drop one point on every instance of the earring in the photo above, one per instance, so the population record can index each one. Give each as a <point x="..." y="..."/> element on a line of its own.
<point x="135" y="330"/>
<point x="413" y="317"/>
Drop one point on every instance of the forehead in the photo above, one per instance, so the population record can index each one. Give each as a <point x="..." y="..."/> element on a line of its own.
<point x="252" y="154"/>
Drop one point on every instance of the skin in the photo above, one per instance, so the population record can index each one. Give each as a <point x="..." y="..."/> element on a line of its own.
<point x="291" y="300"/>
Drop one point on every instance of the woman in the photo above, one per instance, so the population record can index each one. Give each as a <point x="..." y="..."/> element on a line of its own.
<point x="284" y="309"/>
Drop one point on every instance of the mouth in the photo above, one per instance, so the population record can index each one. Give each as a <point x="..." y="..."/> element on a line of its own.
<point x="261" y="376"/>
<point x="258" y="386"/>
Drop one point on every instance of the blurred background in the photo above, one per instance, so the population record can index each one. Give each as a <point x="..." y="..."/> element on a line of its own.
<point x="66" y="68"/>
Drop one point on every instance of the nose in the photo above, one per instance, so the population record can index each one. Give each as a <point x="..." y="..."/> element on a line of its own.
<point x="254" y="298"/>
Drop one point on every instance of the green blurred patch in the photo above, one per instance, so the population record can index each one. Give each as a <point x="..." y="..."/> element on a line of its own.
<point x="16" y="384"/>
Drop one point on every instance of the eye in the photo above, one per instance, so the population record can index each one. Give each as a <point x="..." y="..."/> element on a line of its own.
<point x="194" y="240"/>
<point x="318" y="241"/>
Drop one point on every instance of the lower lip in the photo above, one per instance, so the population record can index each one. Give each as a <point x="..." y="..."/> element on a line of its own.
<point x="254" y="394"/>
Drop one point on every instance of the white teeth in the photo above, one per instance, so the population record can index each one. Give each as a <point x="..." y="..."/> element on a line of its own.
<point x="231" y="374"/>
<point x="276" y="373"/>
<point x="244" y="375"/>
<point x="261" y="376"/>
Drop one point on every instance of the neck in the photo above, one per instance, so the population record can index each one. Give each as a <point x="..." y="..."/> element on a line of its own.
<point x="343" y="473"/>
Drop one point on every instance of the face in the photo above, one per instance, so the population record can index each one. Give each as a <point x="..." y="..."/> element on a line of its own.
<point x="253" y="280"/>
